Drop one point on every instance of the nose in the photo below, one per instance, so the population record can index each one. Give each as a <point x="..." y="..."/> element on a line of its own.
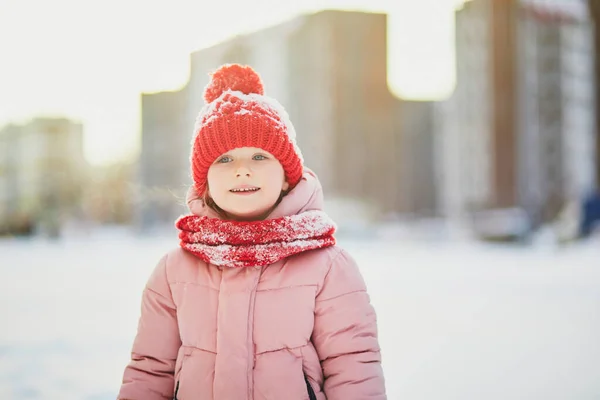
<point x="242" y="171"/>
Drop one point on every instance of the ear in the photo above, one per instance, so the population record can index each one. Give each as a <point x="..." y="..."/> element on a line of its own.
<point x="285" y="186"/>
<point x="195" y="202"/>
<point x="192" y="195"/>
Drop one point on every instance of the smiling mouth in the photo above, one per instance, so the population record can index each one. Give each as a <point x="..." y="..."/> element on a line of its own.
<point x="245" y="190"/>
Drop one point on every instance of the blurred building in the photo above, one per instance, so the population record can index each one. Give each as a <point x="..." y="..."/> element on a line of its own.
<point x="42" y="170"/>
<point x="520" y="133"/>
<point x="110" y="195"/>
<point x="9" y="199"/>
<point x="416" y="154"/>
<point x="595" y="11"/>
<point x="329" y="70"/>
<point x="162" y="173"/>
<point x="558" y="118"/>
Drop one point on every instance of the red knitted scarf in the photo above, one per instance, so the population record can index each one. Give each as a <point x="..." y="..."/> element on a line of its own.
<point x="256" y="243"/>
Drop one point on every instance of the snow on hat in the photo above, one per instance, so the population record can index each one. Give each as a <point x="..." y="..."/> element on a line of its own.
<point x="238" y="114"/>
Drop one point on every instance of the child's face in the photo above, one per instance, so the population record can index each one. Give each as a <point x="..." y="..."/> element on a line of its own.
<point x="250" y="168"/>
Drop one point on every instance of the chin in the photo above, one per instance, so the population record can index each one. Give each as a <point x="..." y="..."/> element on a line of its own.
<point x="246" y="214"/>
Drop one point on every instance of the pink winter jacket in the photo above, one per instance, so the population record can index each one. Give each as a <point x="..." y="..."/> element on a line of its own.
<point x="208" y="332"/>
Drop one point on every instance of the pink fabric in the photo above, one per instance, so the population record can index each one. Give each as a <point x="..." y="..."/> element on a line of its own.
<point x="254" y="333"/>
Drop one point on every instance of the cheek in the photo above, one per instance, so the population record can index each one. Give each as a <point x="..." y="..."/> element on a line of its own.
<point x="277" y="170"/>
<point x="214" y="178"/>
<point x="276" y="177"/>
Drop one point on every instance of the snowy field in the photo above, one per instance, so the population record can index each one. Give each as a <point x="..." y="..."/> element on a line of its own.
<point x="457" y="321"/>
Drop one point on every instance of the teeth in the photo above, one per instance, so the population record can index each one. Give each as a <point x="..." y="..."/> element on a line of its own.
<point x="244" y="190"/>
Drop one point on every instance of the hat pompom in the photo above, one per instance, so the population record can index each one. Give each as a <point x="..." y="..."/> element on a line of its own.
<point x="233" y="77"/>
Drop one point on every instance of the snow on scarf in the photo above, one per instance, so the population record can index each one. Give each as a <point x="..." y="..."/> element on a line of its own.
<point x="255" y="243"/>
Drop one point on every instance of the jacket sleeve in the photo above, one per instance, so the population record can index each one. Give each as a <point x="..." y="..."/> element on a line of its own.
<point x="345" y="335"/>
<point x="150" y="373"/>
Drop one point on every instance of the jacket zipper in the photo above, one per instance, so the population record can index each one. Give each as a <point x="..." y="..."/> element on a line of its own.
<point x="311" y="391"/>
<point x="176" y="390"/>
<point x="179" y="377"/>
<point x="250" y="334"/>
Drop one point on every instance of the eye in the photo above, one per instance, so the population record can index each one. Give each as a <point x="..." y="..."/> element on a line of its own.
<point x="224" y="159"/>
<point x="259" y="157"/>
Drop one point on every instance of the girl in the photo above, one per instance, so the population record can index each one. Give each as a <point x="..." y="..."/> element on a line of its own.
<point x="257" y="302"/>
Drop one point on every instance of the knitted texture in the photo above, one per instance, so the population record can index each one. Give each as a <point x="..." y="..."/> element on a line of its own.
<point x="256" y="243"/>
<point x="238" y="114"/>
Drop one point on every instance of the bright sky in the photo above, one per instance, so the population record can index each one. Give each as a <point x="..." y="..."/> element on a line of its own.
<point x="91" y="60"/>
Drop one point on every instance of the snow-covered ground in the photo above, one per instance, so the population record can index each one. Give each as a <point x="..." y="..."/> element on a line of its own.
<point x="457" y="320"/>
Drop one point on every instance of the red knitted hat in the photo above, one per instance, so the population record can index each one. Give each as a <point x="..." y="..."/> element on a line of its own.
<point x="238" y="114"/>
